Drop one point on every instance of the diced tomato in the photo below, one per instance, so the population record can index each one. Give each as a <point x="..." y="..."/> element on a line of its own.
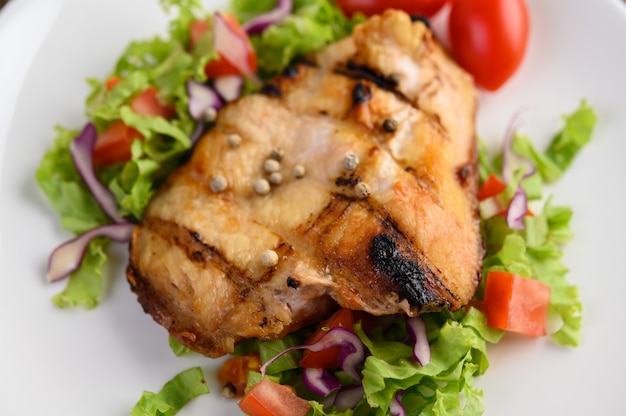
<point x="268" y="398"/>
<point x="516" y="304"/>
<point x="222" y="66"/>
<point x="327" y="358"/>
<point x="148" y="104"/>
<point x="235" y="371"/>
<point x="491" y="187"/>
<point x="196" y="30"/>
<point x="113" y="144"/>
<point x="111" y="82"/>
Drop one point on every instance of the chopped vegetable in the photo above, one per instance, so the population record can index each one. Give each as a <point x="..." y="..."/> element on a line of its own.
<point x="416" y="327"/>
<point x="263" y="21"/>
<point x="517" y="210"/>
<point x="320" y="381"/>
<point x="174" y="395"/>
<point x="228" y="87"/>
<point x="395" y="407"/>
<point x="82" y="149"/>
<point x="114" y="143"/>
<point x="68" y="257"/>
<point x="237" y="57"/>
<point x="517" y="304"/>
<point x="148" y="103"/>
<point x="203" y="101"/>
<point x="492" y="186"/>
<point x="268" y="398"/>
<point x="348" y="397"/>
<point x="327" y="358"/>
<point x="351" y="351"/>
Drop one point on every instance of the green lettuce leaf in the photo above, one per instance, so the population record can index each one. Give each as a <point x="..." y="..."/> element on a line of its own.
<point x="536" y="251"/>
<point x="79" y="212"/>
<point x="443" y="386"/>
<point x="65" y="189"/>
<point x="85" y="286"/>
<point x="174" y="395"/>
<point x="564" y="146"/>
<point x="312" y="25"/>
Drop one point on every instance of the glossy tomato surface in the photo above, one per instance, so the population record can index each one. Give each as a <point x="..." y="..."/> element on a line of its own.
<point x="113" y="144"/>
<point x="488" y="38"/>
<point x="370" y="7"/>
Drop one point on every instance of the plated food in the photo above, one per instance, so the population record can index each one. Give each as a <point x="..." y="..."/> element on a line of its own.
<point x="366" y="91"/>
<point x="385" y="219"/>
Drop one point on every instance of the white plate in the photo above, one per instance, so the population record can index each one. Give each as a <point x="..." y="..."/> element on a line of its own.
<point x="77" y="362"/>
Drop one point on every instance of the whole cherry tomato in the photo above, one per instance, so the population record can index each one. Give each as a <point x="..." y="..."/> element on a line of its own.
<point x="370" y="7"/>
<point x="488" y="38"/>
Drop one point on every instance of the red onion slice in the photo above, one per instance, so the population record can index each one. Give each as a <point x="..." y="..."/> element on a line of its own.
<point x="517" y="210"/>
<point x="67" y="257"/>
<point x="228" y="87"/>
<point x="203" y="101"/>
<point x="416" y="328"/>
<point x="263" y="21"/>
<point x="320" y="381"/>
<point x="351" y="355"/>
<point x="231" y="45"/>
<point x="396" y="408"/>
<point x="511" y="161"/>
<point x="348" y="397"/>
<point x="81" y="150"/>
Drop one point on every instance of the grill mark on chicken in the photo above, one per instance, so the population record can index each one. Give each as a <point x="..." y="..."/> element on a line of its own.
<point x="410" y="244"/>
<point x="353" y="70"/>
<point x="191" y="243"/>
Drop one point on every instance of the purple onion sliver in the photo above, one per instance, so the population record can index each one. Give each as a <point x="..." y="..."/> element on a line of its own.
<point x="67" y="257"/>
<point x="81" y="150"/>
<point x="396" y="408"/>
<point x="198" y="131"/>
<point x="263" y="21"/>
<point x="508" y="155"/>
<point x="351" y="355"/>
<point x="348" y="397"/>
<point x="416" y="327"/>
<point x="320" y="381"/>
<point x="517" y="210"/>
<point x="228" y="87"/>
<point x="201" y="99"/>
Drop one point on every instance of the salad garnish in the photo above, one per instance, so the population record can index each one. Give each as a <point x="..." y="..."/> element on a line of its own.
<point x="159" y="99"/>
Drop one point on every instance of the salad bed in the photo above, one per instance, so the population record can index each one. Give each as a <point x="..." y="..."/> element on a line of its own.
<point x="528" y="246"/>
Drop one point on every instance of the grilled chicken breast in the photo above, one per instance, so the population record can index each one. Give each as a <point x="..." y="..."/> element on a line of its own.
<point x="349" y="180"/>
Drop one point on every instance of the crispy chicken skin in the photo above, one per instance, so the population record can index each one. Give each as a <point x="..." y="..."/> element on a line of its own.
<point x="397" y="232"/>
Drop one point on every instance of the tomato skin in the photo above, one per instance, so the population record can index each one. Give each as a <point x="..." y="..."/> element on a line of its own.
<point x="329" y="357"/>
<point x="491" y="187"/>
<point x="113" y="144"/>
<point x="516" y="304"/>
<point x="222" y="66"/>
<point x="111" y="82"/>
<point x="370" y="7"/>
<point x="488" y="38"/>
<point x="196" y="30"/>
<point x="148" y="104"/>
<point x="267" y="398"/>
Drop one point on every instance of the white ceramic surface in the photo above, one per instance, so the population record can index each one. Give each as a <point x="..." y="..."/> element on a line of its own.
<point x="77" y="362"/>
